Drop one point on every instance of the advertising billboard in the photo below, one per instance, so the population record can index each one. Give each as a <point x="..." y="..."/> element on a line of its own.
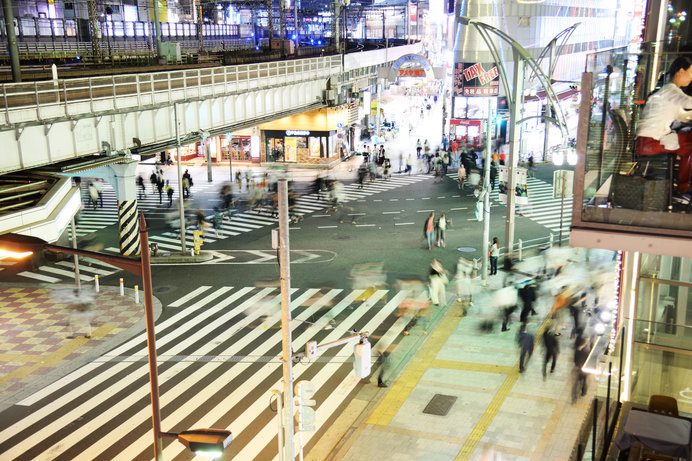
<point x="476" y="79"/>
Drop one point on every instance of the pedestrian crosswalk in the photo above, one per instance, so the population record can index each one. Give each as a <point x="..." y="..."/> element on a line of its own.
<point x="219" y="358"/>
<point x="542" y="208"/>
<point x="64" y="271"/>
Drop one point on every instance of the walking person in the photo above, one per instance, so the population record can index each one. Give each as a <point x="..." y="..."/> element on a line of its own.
<point x="429" y="230"/>
<point x="581" y="353"/>
<point x="409" y="164"/>
<point x="461" y="176"/>
<point x="217" y="221"/>
<point x="98" y="184"/>
<point x="140" y="187"/>
<point x="527" y="293"/>
<point x="154" y="180"/>
<point x="494" y="254"/>
<point x="362" y="172"/>
<point x="169" y="192"/>
<point x="493" y="175"/>
<point x="525" y="340"/>
<point x="552" y="349"/>
<point x="187" y="183"/>
<point x="438" y="283"/>
<point x="441" y="228"/>
<point x="159" y="187"/>
<point x="201" y="220"/>
<point x="93" y="195"/>
<point x="419" y="147"/>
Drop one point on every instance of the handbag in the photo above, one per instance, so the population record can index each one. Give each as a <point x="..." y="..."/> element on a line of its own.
<point x="638" y="192"/>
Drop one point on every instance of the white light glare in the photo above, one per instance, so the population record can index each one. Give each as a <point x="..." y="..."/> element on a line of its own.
<point x="599" y="328"/>
<point x="209" y="454"/>
<point x="572" y="157"/>
<point x="605" y="316"/>
<point x="558" y="157"/>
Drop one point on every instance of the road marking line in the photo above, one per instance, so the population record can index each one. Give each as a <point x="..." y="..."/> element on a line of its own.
<point x="391" y="212"/>
<point x="458" y="209"/>
<point x="327" y="227"/>
<point x="424" y="211"/>
<point x="365" y="225"/>
<point x="425" y="198"/>
<point x="410" y="199"/>
<point x="403" y="223"/>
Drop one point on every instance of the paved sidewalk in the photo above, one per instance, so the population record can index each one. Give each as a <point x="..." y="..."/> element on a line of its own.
<point x="498" y="412"/>
<point x="37" y="341"/>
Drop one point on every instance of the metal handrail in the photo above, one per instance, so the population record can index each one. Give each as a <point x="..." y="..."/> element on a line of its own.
<point x="178" y="86"/>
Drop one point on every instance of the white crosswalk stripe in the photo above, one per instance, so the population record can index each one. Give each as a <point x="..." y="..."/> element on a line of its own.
<point x="63" y="271"/>
<point x="542" y="208"/>
<point x="203" y="349"/>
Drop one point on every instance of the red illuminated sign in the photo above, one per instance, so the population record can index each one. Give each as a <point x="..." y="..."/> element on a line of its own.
<point x="411" y="73"/>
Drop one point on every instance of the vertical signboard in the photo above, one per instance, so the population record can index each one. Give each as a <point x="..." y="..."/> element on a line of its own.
<point x="521" y="191"/>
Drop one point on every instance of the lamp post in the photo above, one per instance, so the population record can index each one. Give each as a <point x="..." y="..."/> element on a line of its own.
<point x="196" y="440"/>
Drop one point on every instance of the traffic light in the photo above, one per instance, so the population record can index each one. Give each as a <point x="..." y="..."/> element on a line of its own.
<point x="305" y="414"/>
<point x="361" y="363"/>
<point x="574" y="87"/>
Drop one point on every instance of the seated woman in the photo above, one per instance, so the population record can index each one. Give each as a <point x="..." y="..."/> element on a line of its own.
<point x="654" y="133"/>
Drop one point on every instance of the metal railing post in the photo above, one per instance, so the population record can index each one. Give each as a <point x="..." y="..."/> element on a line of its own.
<point x="520" y="248"/>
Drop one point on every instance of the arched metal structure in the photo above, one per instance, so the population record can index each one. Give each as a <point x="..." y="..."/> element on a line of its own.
<point x="554" y="49"/>
<point x="514" y="95"/>
<point x="485" y="31"/>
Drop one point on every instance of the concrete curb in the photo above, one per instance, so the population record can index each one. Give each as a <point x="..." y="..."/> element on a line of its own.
<point x="168" y="258"/>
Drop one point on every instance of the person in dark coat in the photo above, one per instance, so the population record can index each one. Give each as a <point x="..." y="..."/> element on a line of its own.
<point x="159" y="187"/>
<point x="525" y="340"/>
<point x="552" y="349"/>
<point x="582" y="349"/>
<point x="493" y="175"/>
<point x="527" y="294"/>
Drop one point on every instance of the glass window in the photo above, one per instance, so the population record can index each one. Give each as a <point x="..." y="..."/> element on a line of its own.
<point x="275" y="149"/>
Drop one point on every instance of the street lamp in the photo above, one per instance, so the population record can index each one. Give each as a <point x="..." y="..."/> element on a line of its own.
<point x="199" y="440"/>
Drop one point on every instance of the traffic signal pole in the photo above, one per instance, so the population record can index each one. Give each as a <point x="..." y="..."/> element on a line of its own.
<point x="286" y="356"/>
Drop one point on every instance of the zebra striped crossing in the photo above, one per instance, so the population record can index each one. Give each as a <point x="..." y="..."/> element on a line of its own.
<point x="63" y="271"/>
<point x="219" y="357"/>
<point x="542" y="208"/>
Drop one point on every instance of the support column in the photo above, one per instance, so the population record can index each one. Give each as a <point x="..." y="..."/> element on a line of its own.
<point x="122" y="177"/>
<point x="12" y="41"/>
<point x="514" y="148"/>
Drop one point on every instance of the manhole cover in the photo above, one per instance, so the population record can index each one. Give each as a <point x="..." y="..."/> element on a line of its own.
<point x="440" y="405"/>
<point x="343" y="237"/>
<point x="466" y="249"/>
<point x="162" y="289"/>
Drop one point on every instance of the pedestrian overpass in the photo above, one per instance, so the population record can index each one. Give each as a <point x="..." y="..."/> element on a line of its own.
<point x="92" y="124"/>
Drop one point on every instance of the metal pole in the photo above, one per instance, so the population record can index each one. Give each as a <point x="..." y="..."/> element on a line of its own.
<point x="295" y="20"/>
<point x="285" y="268"/>
<point x="486" y="197"/>
<point x="622" y="351"/>
<point x="593" y="429"/>
<point x="607" y="410"/>
<point x="562" y="203"/>
<point x="151" y="336"/>
<point x="207" y="155"/>
<point x="514" y="148"/>
<point x="279" y="413"/>
<point x="181" y="206"/>
<point x="76" y="258"/>
<point x="157" y="30"/>
<point x="12" y="41"/>
<point x="377" y="116"/>
<point x="546" y="133"/>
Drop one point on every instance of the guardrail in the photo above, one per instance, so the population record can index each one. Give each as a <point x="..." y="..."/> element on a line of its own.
<point x="55" y="100"/>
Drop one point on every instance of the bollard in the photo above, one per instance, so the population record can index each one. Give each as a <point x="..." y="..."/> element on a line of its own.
<point x="551" y="240"/>
<point x="122" y="288"/>
<point x="192" y="251"/>
<point x="96" y="283"/>
<point x="136" y="294"/>
<point x="519" y="250"/>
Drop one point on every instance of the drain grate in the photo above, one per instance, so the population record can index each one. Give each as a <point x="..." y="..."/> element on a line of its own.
<point x="440" y="405"/>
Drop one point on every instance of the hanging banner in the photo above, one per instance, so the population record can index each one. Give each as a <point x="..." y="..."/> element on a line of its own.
<point x="476" y="79"/>
<point x="521" y="191"/>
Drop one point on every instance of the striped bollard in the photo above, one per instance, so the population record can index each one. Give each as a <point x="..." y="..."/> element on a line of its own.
<point x="122" y="288"/>
<point x="96" y="283"/>
<point x="551" y="240"/>
<point x="136" y="294"/>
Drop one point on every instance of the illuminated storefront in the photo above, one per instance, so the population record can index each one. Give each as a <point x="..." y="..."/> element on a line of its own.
<point x="315" y="137"/>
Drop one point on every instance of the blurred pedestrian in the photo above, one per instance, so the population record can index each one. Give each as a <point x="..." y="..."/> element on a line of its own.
<point x="217" y="221"/>
<point x="93" y="195"/>
<point x="552" y="349"/>
<point x="438" y="283"/>
<point x="98" y="184"/>
<point x="493" y="175"/>
<point x="409" y="164"/>
<point x="159" y="186"/>
<point x="582" y="350"/>
<point x="154" y="180"/>
<point x="140" y="187"/>
<point x="441" y="228"/>
<point x="419" y="146"/>
<point x="429" y="230"/>
<point x="527" y="294"/>
<point x="187" y="183"/>
<point x="525" y="340"/>
<point x="169" y="192"/>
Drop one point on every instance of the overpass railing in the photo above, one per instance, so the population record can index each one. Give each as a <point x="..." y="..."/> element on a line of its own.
<point x="46" y="101"/>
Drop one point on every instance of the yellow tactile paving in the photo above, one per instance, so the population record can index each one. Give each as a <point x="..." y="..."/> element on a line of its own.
<point x="400" y="391"/>
<point x="487" y="418"/>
